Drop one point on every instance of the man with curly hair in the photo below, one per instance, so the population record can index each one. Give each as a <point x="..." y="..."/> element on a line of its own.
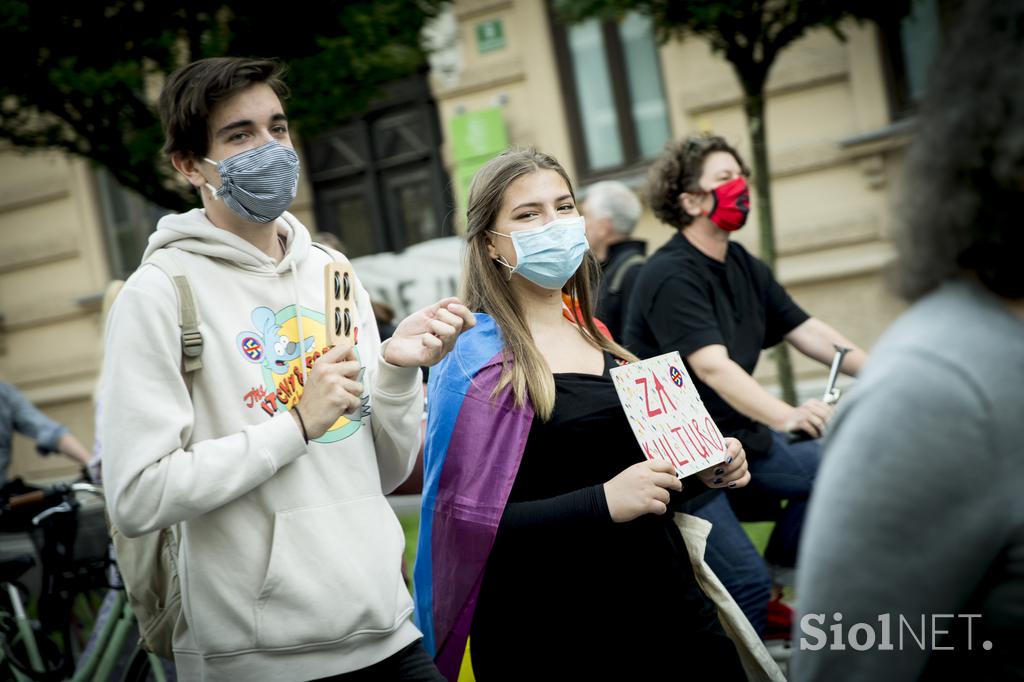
<point x="707" y="297"/>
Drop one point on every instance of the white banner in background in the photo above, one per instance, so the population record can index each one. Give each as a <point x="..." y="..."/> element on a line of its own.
<point x="422" y="274"/>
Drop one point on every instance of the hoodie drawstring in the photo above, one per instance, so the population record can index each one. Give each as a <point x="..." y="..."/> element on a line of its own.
<point x="298" y="317"/>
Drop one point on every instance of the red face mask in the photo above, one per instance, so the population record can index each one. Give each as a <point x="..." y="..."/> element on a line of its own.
<point x="731" y="205"/>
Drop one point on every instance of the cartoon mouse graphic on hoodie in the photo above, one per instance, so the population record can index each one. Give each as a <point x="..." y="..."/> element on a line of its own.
<point x="266" y="345"/>
<point x="277" y="349"/>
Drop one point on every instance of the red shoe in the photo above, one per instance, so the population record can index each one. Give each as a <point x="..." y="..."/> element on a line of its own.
<point x="780" y="620"/>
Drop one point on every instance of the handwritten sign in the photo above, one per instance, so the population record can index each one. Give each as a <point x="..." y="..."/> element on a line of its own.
<point x="668" y="417"/>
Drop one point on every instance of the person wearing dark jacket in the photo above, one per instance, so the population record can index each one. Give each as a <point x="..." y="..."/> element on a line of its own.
<point x="612" y="210"/>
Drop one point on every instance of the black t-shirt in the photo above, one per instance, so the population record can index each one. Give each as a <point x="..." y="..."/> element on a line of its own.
<point x="564" y="585"/>
<point x="684" y="300"/>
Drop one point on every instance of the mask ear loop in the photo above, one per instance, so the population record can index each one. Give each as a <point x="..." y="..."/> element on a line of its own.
<point x="501" y="259"/>
<point x="714" y="203"/>
<point x="211" y="188"/>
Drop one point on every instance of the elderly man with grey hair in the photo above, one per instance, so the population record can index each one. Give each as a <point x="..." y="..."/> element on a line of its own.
<point x="612" y="210"/>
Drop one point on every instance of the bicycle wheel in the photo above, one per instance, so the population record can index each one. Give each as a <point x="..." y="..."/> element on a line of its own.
<point x="16" y="656"/>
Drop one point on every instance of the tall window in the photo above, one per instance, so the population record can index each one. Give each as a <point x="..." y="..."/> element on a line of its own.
<point x="378" y="181"/>
<point x="909" y="50"/>
<point x="618" y="118"/>
<point x="128" y="220"/>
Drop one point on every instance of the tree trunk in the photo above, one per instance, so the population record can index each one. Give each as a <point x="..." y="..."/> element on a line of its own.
<point x="754" y="106"/>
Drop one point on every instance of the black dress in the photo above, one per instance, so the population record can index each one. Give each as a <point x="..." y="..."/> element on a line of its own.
<point x="568" y="592"/>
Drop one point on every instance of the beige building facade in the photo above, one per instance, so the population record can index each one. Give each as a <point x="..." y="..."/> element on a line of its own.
<point x="836" y="146"/>
<point x="53" y="270"/>
<point x="836" y="151"/>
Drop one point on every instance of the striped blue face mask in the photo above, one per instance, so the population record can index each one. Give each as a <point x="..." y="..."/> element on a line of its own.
<point x="258" y="184"/>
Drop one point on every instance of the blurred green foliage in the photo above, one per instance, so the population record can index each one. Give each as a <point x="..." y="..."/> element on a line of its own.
<point x="83" y="76"/>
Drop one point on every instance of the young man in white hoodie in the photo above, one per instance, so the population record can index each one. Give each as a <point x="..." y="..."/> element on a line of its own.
<point x="276" y="459"/>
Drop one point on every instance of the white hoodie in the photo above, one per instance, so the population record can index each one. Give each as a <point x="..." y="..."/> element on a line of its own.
<point x="290" y="555"/>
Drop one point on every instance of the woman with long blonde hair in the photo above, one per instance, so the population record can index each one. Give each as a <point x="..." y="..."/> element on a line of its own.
<point x="545" y="548"/>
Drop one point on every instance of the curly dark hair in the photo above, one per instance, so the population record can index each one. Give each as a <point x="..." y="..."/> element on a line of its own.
<point x="678" y="170"/>
<point x="966" y="166"/>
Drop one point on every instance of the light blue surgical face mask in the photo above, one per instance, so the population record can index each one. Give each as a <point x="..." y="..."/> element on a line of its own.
<point x="549" y="255"/>
<point x="258" y="184"/>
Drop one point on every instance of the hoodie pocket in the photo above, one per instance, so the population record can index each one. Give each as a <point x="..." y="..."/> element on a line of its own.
<point x="334" y="572"/>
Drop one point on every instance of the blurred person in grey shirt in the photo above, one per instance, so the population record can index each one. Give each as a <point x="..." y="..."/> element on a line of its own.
<point x="912" y="557"/>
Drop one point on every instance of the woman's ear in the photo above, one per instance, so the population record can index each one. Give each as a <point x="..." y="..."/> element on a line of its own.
<point x="187" y="165"/>
<point x="691" y="203"/>
<point x="492" y="250"/>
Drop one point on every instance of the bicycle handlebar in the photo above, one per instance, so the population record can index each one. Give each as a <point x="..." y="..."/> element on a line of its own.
<point x="61" y="491"/>
<point x="87" y="488"/>
<point x="831" y="396"/>
<point x="33" y="497"/>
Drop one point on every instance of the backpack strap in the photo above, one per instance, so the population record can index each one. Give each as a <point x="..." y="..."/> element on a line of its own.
<point x="615" y="284"/>
<point x="188" y="312"/>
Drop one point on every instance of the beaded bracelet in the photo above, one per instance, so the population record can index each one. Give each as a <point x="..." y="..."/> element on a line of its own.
<point x="302" y="423"/>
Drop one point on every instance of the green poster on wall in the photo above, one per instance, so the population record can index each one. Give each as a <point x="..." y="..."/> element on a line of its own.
<point x="478" y="133"/>
<point x="476" y="137"/>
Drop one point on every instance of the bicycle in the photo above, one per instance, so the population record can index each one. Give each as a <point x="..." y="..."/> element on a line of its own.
<point x="28" y="652"/>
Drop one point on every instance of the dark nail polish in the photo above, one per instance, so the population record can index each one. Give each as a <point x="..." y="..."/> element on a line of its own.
<point x="719" y="471"/>
<point x="717" y="481"/>
<point x="732" y="485"/>
<point x="729" y="461"/>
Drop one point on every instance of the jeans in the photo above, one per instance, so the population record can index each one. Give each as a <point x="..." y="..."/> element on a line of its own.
<point x="411" y="664"/>
<point x="786" y="472"/>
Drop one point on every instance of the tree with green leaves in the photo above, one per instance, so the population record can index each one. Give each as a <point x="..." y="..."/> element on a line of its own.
<point x="83" y="77"/>
<point x="750" y="34"/>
